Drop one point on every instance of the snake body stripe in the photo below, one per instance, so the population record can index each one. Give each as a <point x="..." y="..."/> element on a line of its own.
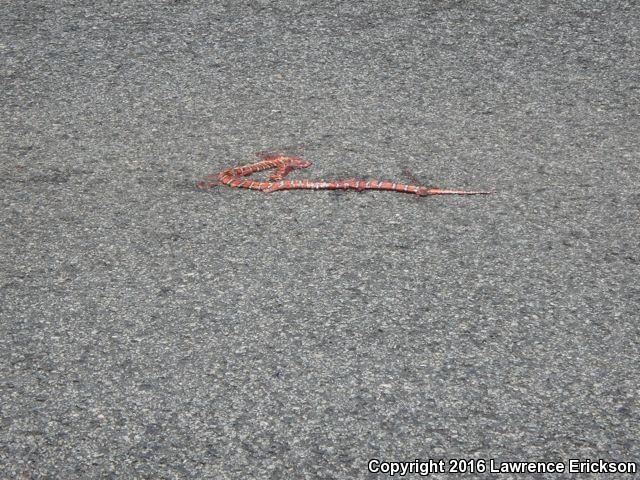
<point x="283" y="165"/>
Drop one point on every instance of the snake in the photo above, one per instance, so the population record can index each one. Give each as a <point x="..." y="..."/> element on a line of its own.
<point x="236" y="177"/>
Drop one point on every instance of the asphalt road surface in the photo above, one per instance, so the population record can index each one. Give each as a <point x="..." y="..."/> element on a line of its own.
<point x="152" y="330"/>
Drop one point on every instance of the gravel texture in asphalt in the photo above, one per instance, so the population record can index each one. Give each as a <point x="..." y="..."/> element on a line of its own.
<point x="152" y="330"/>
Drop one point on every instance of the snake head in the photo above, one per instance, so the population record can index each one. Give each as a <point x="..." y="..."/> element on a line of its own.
<point x="295" y="162"/>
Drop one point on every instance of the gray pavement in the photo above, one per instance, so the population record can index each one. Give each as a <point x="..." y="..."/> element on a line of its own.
<point x="151" y="330"/>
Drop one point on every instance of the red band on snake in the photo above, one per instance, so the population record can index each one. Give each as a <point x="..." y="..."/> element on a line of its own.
<point x="283" y="165"/>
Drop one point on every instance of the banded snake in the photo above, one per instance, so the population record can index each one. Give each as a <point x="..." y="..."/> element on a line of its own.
<point x="236" y="178"/>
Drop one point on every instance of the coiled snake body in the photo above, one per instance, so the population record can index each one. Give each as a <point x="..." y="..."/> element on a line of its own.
<point x="283" y="165"/>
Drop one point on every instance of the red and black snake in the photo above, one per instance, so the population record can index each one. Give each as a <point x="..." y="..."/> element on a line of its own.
<point x="283" y="165"/>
